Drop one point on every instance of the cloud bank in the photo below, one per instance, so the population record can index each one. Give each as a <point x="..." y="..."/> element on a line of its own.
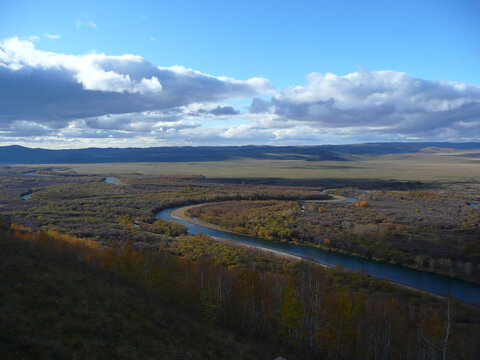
<point x="383" y="102"/>
<point x="61" y="100"/>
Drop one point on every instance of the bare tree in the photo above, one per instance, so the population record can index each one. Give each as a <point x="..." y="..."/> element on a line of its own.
<point x="447" y="333"/>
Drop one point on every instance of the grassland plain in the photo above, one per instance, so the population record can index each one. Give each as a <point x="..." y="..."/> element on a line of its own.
<point x="428" y="165"/>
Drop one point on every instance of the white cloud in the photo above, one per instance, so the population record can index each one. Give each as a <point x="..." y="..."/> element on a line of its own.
<point x="51" y="36"/>
<point x="386" y="102"/>
<point x="33" y="38"/>
<point x="85" y="23"/>
<point x="124" y="74"/>
<point x="102" y="96"/>
<point x="88" y="70"/>
<point x="95" y="99"/>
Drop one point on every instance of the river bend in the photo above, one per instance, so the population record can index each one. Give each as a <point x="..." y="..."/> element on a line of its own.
<point x="435" y="283"/>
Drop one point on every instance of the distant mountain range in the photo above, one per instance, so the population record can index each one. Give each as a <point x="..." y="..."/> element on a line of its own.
<point x="22" y="155"/>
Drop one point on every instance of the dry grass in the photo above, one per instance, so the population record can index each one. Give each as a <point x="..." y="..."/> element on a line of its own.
<point x="422" y="166"/>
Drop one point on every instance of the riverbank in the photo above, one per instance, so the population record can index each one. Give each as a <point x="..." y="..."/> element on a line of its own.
<point x="334" y="199"/>
<point x="413" y="279"/>
<point x="179" y="214"/>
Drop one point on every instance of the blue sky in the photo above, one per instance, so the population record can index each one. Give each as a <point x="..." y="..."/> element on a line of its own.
<point x="425" y="53"/>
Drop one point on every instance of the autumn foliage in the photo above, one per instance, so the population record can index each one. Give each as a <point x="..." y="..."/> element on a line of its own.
<point x="362" y="203"/>
<point x="305" y="313"/>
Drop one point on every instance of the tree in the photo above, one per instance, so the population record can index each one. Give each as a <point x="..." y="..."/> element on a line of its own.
<point x="290" y="316"/>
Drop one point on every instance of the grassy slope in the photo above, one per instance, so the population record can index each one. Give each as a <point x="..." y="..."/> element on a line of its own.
<point x="52" y="306"/>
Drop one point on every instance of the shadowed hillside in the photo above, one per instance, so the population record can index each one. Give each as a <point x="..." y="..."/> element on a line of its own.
<point x="54" y="306"/>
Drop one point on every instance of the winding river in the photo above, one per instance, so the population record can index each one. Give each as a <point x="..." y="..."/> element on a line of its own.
<point x="434" y="283"/>
<point x="459" y="289"/>
<point x="108" y="179"/>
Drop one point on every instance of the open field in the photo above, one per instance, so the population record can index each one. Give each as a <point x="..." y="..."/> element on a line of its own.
<point x="422" y="166"/>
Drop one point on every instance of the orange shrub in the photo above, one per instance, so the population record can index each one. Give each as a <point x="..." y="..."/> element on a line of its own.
<point x="363" y="203"/>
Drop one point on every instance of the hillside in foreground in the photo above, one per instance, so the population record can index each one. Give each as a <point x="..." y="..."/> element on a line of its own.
<point x="53" y="306"/>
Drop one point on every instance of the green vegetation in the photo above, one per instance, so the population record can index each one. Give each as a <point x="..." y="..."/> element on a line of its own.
<point x="228" y="254"/>
<point x="168" y="228"/>
<point x="273" y="219"/>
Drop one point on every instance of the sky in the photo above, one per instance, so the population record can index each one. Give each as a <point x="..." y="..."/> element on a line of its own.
<point x="155" y="73"/>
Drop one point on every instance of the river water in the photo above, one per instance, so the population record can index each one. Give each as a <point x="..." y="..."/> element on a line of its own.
<point x="459" y="289"/>
<point x="112" y="180"/>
